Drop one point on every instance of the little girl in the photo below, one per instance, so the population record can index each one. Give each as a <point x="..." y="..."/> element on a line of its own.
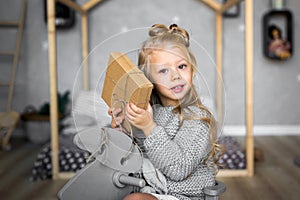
<point x="180" y="131"/>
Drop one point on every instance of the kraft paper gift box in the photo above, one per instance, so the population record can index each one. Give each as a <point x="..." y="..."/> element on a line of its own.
<point x="125" y="83"/>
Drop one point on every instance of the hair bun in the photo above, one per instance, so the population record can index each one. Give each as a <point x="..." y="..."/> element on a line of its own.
<point x="173" y="27"/>
<point x="160" y="29"/>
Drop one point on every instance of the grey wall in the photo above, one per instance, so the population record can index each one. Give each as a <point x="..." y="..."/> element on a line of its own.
<point x="276" y="84"/>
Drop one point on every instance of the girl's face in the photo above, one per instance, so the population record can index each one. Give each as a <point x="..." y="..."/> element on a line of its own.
<point x="171" y="75"/>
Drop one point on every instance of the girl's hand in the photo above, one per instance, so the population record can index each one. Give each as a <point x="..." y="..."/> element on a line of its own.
<point x="140" y="118"/>
<point x="116" y="118"/>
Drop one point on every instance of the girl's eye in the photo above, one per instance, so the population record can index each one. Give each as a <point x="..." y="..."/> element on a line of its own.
<point x="163" y="71"/>
<point x="182" y="66"/>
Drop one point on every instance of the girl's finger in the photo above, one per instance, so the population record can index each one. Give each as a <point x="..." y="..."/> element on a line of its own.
<point x="120" y="119"/>
<point x="135" y="108"/>
<point x="130" y="118"/>
<point x="109" y="112"/>
<point x="116" y="111"/>
<point x="130" y="111"/>
<point x="149" y="108"/>
<point x="113" y="123"/>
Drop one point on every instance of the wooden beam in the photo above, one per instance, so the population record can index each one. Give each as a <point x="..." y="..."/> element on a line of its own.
<point x="84" y="30"/>
<point x="212" y="4"/>
<point x="53" y="86"/>
<point x="72" y="5"/>
<point x="220" y="8"/>
<point x="90" y="4"/>
<point x="219" y="63"/>
<point x="53" y="72"/>
<point x="16" y="55"/>
<point x="249" y="141"/>
<point x="232" y="173"/>
<point x="9" y="23"/>
<point x="249" y="85"/>
<point x="66" y="175"/>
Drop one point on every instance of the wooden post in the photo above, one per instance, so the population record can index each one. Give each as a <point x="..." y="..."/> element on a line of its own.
<point x="90" y="4"/>
<point x="16" y="55"/>
<point x="249" y="86"/>
<point x="84" y="29"/>
<point x="212" y="4"/>
<point x="53" y="86"/>
<point x="53" y="72"/>
<point x="219" y="60"/>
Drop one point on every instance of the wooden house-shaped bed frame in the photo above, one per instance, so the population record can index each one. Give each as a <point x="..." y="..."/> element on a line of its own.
<point x="219" y="9"/>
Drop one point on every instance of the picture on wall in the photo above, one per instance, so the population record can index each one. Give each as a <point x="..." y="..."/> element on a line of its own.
<point x="277" y="35"/>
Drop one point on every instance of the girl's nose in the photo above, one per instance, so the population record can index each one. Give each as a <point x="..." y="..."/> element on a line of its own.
<point x="175" y="75"/>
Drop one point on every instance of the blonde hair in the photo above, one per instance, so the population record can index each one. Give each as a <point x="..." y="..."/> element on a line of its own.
<point x="167" y="38"/>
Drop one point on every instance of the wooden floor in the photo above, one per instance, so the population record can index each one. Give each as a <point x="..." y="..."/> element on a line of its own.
<point x="275" y="178"/>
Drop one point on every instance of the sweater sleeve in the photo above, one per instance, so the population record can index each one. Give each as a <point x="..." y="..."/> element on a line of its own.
<point x="177" y="157"/>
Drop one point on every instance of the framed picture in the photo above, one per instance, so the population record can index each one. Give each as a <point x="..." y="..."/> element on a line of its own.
<point x="278" y="34"/>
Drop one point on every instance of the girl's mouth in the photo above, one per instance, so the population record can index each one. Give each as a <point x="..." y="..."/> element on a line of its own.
<point x="177" y="88"/>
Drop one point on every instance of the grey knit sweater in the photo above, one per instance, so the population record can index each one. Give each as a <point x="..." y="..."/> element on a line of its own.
<point x="179" y="151"/>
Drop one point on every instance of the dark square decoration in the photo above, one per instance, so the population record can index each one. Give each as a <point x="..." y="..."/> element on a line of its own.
<point x="64" y="16"/>
<point x="234" y="11"/>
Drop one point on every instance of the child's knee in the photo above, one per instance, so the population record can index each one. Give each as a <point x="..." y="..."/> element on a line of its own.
<point x="134" y="196"/>
<point x="139" y="196"/>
